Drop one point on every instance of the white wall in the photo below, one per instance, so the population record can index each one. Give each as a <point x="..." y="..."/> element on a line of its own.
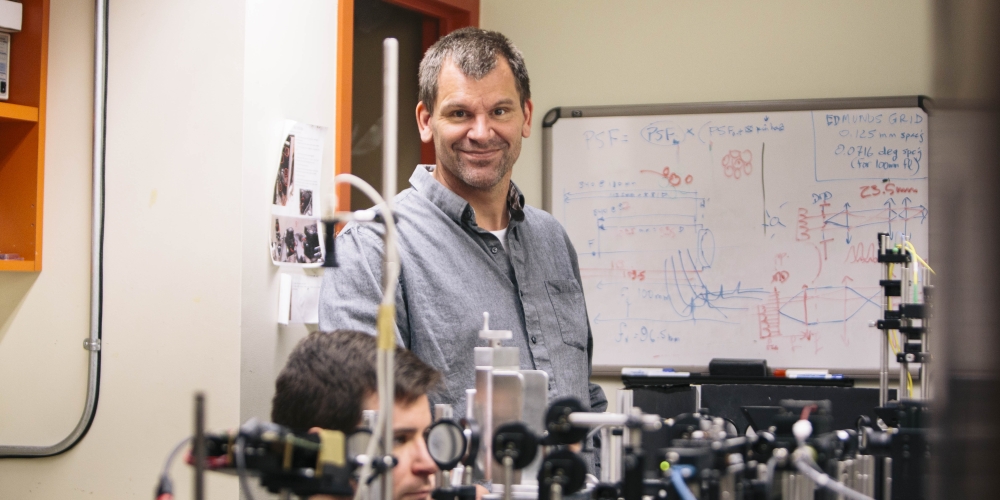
<point x="172" y="294"/>
<point x="598" y="52"/>
<point x="171" y="301"/>
<point x="198" y="91"/>
<point x="290" y="72"/>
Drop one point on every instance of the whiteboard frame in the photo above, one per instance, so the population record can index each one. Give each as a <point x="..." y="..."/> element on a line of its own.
<point x="570" y="112"/>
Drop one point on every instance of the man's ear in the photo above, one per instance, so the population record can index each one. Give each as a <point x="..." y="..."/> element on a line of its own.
<point x="528" y="110"/>
<point x="424" y="123"/>
<point x="315" y="430"/>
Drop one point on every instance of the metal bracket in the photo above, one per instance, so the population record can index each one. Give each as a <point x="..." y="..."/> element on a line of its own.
<point x="90" y="345"/>
<point x="913" y="357"/>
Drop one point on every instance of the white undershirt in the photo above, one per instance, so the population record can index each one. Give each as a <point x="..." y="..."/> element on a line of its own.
<point x="502" y="236"/>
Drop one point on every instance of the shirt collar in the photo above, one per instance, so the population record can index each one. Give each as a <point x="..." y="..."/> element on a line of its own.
<point x="454" y="205"/>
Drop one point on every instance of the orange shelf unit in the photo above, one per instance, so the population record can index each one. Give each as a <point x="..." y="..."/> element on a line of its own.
<point x="22" y="142"/>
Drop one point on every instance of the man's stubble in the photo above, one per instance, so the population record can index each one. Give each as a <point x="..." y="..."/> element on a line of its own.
<point x="472" y="175"/>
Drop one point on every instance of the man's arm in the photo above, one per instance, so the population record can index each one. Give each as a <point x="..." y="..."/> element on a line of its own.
<point x="598" y="400"/>
<point x="351" y="293"/>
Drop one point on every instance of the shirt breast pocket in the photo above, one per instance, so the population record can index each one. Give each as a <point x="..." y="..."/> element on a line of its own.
<point x="570" y="311"/>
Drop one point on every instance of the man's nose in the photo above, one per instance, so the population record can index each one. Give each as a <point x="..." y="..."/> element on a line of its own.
<point x="423" y="464"/>
<point x="481" y="130"/>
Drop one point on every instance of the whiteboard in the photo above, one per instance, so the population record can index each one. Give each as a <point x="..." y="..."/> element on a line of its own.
<point x="741" y="230"/>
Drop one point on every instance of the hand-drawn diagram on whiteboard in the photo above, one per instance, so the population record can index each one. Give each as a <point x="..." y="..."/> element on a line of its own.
<point x="746" y="235"/>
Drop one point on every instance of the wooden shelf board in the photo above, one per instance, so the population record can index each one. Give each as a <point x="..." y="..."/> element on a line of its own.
<point x="18" y="112"/>
<point x="17" y="265"/>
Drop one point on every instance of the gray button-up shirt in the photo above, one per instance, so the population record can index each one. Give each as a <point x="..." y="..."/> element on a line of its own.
<point x="452" y="271"/>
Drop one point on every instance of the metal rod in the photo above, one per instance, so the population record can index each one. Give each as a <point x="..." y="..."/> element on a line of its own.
<point x="486" y="422"/>
<point x="390" y="116"/>
<point x="887" y="475"/>
<point x="388" y="435"/>
<point x="904" y="369"/>
<point x="623" y="404"/>
<point x="606" y="458"/>
<point x="96" y="252"/>
<point x="199" y="446"/>
<point x="614" y="464"/>
<point x="508" y="478"/>
<point x="390" y="92"/>
<point x="883" y="372"/>
<point x="470" y="415"/>
<point x="925" y="341"/>
<point x="624" y="407"/>
<point x="906" y="281"/>
<point x="586" y="418"/>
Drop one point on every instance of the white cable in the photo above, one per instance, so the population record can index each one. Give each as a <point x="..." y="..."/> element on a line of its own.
<point x="392" y="247"/>
<point x="824" y="481"/>
<point x="173" y="455"/>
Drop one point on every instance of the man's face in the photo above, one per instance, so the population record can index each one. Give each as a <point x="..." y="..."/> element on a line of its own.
<point x="477" y="126"/>
<point x="413" y="476"/>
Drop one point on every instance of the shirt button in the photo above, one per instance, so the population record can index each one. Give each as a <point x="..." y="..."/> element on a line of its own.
<point x="534" y="339"/>
<point x="493" y="249"/>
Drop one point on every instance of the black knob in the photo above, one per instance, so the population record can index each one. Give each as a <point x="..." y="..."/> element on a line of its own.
<point x="516" y="441"/>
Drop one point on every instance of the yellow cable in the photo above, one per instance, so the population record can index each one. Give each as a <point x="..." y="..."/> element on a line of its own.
<point x="913" y="250"/>
<point x="909" y="246"/>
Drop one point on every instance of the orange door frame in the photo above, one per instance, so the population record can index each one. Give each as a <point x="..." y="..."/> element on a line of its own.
<point x="440" y="18"/>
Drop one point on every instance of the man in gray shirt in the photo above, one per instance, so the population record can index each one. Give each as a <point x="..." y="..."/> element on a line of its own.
<point x="468" y="244"/>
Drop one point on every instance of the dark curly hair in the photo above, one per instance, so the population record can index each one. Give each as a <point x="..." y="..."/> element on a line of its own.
<point x="329" y="375"/>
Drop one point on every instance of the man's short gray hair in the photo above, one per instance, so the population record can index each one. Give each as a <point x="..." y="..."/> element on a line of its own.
<point x="475" y="52"/>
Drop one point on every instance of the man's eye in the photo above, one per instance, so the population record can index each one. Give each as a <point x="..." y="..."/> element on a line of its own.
<point x="399" y="440"/>
<point x="460" y="114"/>
<point x="499" y="112"/>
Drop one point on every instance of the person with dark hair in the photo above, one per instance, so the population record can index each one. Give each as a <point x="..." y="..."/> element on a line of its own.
<point x="330" y="378"/>
<point x="468" y="243"/>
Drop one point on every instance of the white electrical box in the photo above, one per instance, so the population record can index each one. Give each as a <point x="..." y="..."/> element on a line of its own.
<point x="11" y="14"/>
<point x="4" y="65"/>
